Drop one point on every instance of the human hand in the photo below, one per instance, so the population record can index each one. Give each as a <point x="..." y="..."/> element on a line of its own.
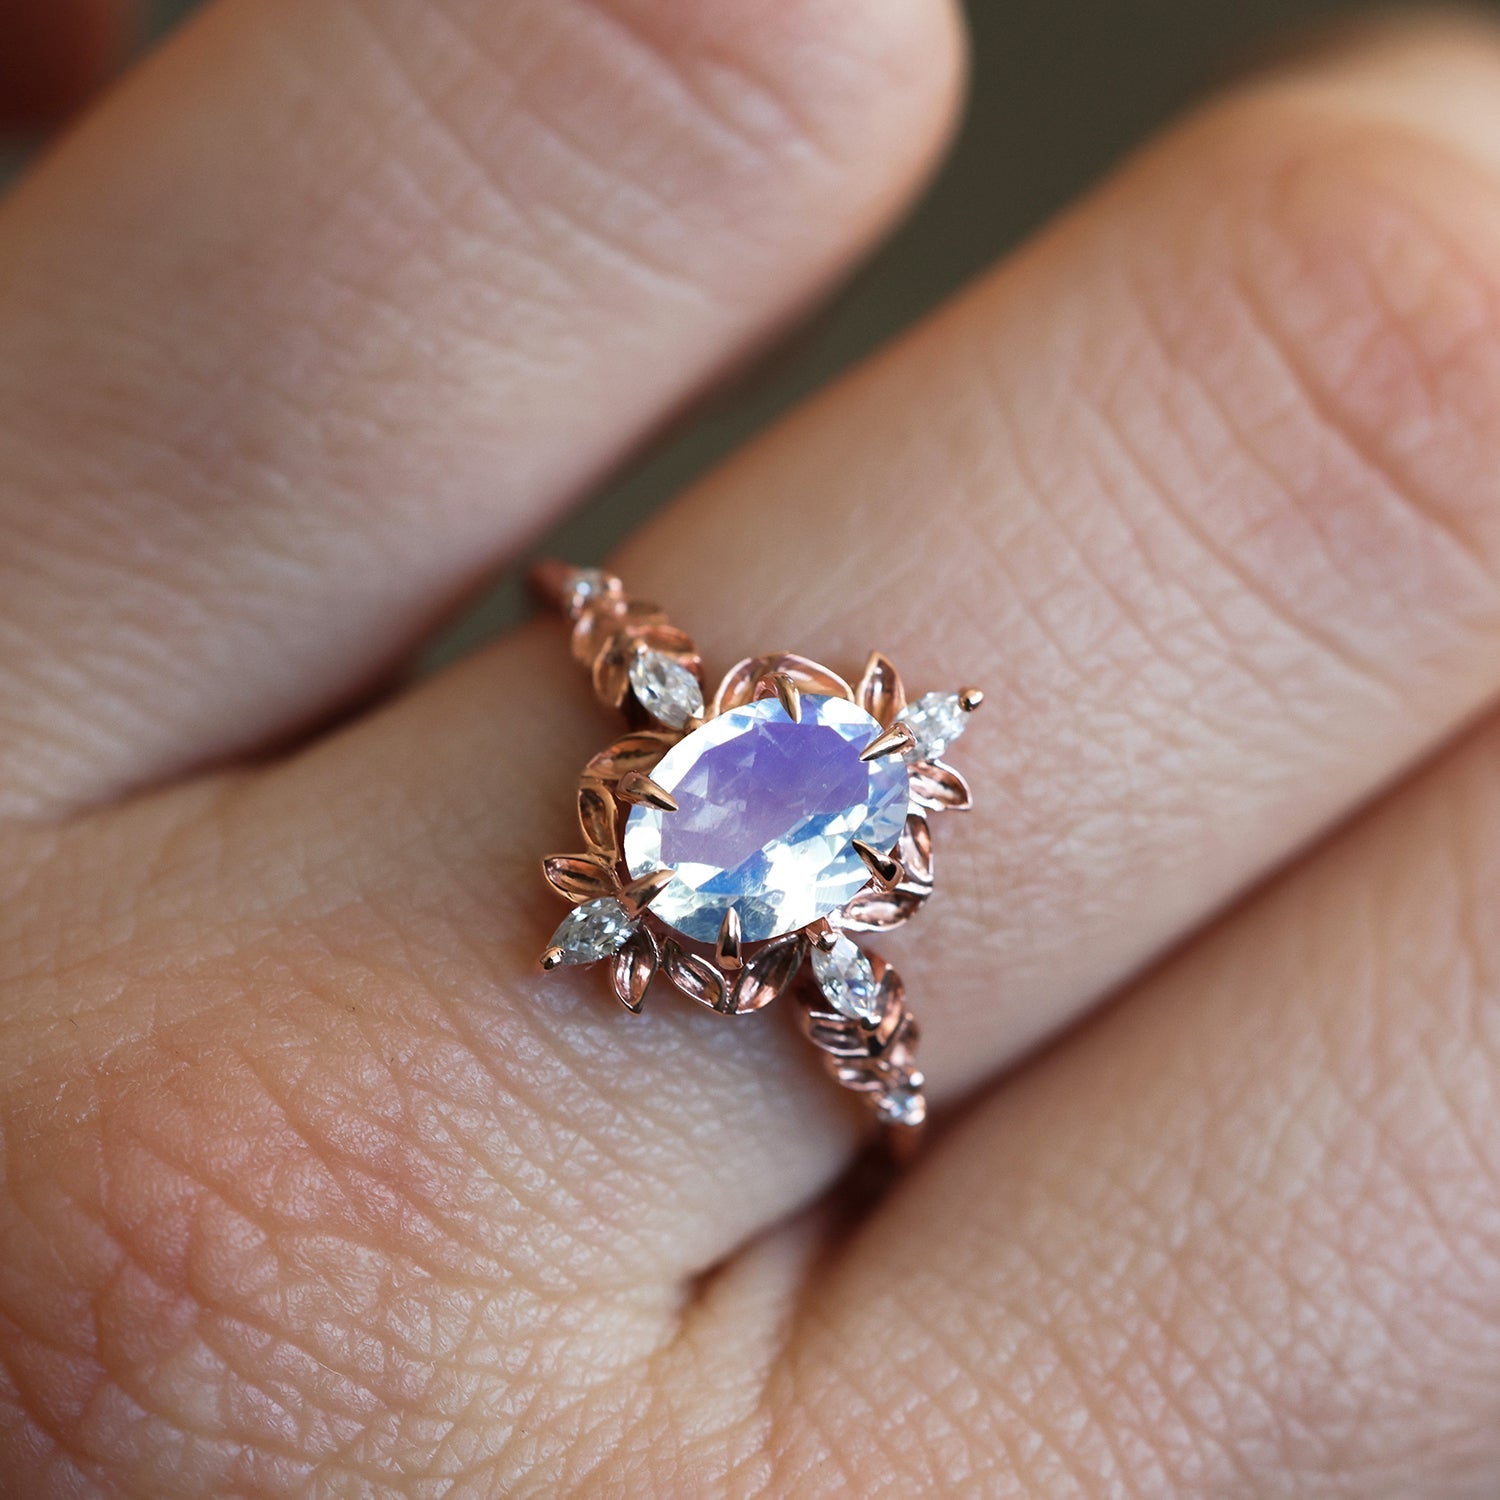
<point x="313" y="1186"/>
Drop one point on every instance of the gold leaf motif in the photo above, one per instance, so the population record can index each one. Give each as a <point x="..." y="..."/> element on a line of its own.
<point x="612" y="670"/>
<point x="697" y="978"/>
<point x="633" y="752"/>
<point x="738" y="686"/>
<point x="668" y="639"/>
<point x="597" y="815"/>
<point x="633" y="968"/>
<point x="880" y="692"/>
<point x="597" y="623"/>
<point x="939" y="787"/>
<point x="915" y="853"/>
<point x="879" y="911"/>
<point x="768" y="973"/>
<point x="579" y="877"/>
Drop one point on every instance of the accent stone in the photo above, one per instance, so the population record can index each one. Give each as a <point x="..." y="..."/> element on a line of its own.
<point x="596" y="929"/>
<point x="847" y="977"/>
<point x="767" y="812"/>
<point x="665" y="688"/>
<point x="904" y="1105"/>
<point x="581" y="587"/>
<point x="936" y="720"/>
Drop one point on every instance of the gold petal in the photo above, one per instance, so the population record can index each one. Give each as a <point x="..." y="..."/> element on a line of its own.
<point x="915" y="852"/>
<point x="667" y="639"/>
<point x="633" y="968"/>
<point x="767" y="975"/>
<point x="695" y="977"/>
<point x="612" y="670"/>
<point x="597" y="624"/>
<point x="738" y="686"/>
<point x="939" y="787"/>
<point x="580" y="877"/>
<point x="632" y="752"/>
<point x="599" y="818"/>
<point x="878" y="911"/>
<point x="880" y="692"/>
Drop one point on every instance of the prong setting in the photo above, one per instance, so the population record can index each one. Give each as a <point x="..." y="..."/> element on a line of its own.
<point x="639" y="790"/>
<point x="897" y="740"/>
<point x="823" y="934"/>
<point x="644" y="889"/>
<point x="885" y="868"/>
<point x="789" y="695"/>
<point x="727" y="948"/>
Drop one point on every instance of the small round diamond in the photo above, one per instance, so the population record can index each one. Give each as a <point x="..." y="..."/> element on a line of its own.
<point x="665" y="688"/>
<point x="847" y="977"/>
<point x="586" y="586"/>
<point x="902" y="1106"/>
<point x="593" y="931"/>
<point x="936" y="720"/>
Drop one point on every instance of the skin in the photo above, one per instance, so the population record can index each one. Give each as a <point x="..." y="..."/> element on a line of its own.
<point x="309" y="1185"/>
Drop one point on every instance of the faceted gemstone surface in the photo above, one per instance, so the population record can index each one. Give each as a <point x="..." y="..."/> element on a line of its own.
<point x="847" y="977"/>
<point x="767" y="812"/>
<point x="593" y="931"/>
<point x="665" y="688"/>
<point x="936" y="720"/>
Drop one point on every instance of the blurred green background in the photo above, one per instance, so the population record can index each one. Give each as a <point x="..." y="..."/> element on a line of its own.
<point x="1060" y="89"/>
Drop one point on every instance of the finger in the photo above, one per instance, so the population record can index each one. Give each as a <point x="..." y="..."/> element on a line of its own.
<point x="1193" y="666"/>
<point x="314" y="1044"/>
<point x="56" y="54"/>
<point x="1239" y="1238"/>
<point x="333" y="305"/>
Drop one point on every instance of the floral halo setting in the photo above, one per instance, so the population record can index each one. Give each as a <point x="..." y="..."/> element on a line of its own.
<point x="733" y="845"/>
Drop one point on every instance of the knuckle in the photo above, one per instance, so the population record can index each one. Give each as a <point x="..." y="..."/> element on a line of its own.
<point x="1335" y="306"/>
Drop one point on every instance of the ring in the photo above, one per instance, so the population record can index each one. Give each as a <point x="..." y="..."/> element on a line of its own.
<point x="734" y="843"/>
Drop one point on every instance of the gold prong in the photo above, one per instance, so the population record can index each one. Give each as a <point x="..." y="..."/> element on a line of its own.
<point x="639" y="790"/>
<point x="896" y="740"/>
<point x="970" y="698"/>
<point x="791" y="698"/>
<point x="823" y="934"/>
<point x="552" y="958"/>
<point x="727" y="949"/>
<point x="644" y="889"/>
<point x="785" y="688"/>
<point x="886" y="870"/>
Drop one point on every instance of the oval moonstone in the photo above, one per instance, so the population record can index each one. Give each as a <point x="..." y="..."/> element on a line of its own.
<point x="767" y="814"/>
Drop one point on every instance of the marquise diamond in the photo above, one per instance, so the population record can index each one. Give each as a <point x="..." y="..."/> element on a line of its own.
<point x="847" y="977"/>
<point x="936" y="720"/>
<point x="665" y="688"/>
<point x="594" y="930"/>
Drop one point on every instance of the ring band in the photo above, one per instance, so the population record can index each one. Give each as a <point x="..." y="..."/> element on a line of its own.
<point x="734" y="844"/>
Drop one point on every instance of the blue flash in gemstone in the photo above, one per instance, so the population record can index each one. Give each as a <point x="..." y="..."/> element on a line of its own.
<point x="767" y="814"/>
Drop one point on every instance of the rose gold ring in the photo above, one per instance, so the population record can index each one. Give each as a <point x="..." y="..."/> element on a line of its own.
<point x="733" y="844"/>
